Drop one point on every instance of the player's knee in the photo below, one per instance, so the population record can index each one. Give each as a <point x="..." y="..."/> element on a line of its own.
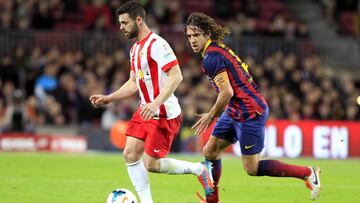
<point x="250" y="170"/>
<point x="210" y="153"/>
<point x="131" y="156"/>
<point x="151" y="166"/>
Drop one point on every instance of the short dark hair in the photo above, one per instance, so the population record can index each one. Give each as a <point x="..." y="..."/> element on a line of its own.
<point x="206" y="24"/>
<point x="133" y="8"/>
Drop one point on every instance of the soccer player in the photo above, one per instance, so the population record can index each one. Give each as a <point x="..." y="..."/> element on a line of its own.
<point x="155" y="73"/>
<point x="245" y="113"/>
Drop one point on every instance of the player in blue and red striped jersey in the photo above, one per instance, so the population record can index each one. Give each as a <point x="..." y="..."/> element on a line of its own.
<point x="245" y="113"/>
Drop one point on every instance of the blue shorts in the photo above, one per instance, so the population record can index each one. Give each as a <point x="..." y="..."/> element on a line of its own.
<point x="249" y="133"/>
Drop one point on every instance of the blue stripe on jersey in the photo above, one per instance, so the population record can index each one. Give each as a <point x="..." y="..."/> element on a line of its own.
<point x="245" y="113"/>
<point x="245" y="109"/>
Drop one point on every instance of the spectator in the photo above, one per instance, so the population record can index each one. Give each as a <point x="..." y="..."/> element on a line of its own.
<point x="47" y="82"/>
<point x="68" y="97"/>
<point x="16" y="115"/>
<point x="43" y="18"/>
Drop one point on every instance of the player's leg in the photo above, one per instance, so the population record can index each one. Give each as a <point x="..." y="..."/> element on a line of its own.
<point x="134" y="148"/>
<point x="250" y="163"/>
<point x="274" y="168"/>
<point x="136" y="169"/>
<point x="161" y="134"/>
<point x="157" y="146"/>
<point x="251" y="136"/>
<point x="222" y="136"/>
<point x="172" y="166"/>
<point x="252" y="133"/>
<point x="212" y="152"/>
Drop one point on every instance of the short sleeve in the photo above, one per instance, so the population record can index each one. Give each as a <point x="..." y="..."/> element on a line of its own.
<point x="163" y="54"/>
<point x="213" y="64"/>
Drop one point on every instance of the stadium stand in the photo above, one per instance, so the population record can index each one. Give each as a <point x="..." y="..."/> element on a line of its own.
<point x="344" y="14"/>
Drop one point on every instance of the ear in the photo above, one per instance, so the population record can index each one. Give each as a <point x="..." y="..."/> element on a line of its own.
<point x="139" y="20"/>
<point x="208" y="36"/>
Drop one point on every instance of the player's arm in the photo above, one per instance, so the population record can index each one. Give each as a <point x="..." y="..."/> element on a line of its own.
<point x="225" y="93"/>
<point x="173" y="81"/>
<point x="223" y="98"/>
<point x="126" y="90"/>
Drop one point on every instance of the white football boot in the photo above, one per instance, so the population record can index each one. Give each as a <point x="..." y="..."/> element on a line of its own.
<point x="313" y="182"/>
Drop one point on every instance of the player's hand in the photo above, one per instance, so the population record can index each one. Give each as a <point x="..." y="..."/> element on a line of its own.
<point x="148" y="111"/>
<point x="99" y="100"/>
<point x="203" y="123"/>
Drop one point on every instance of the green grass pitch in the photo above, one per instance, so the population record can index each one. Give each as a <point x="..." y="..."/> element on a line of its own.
<point x="90" y="177"/>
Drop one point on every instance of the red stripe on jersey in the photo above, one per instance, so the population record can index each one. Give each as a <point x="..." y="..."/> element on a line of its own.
<point x="132" y="54"/>
<point x="141" y="81"/>
<point x="154" y="72"/>
<point x="170" y="65"/>
<point x="233" y="112"/>
<point x="238" y="93"/>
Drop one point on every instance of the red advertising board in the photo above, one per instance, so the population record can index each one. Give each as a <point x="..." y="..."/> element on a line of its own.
<point x="318" y="139"/>
<point x="33" y="142"/>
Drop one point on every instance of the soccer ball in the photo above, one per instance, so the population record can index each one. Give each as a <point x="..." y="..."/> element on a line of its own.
<point x="121" y="195"/>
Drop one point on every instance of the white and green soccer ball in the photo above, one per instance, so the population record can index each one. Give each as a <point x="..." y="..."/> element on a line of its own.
<point x="121" y="195"/>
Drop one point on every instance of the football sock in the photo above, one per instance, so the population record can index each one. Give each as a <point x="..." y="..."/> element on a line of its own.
<point x="216" y="170"/>
<point x="140" y="180"/>
<point x="174" y="166"/>
<point x="277" y="168"/>
<point x="216" y="173"/>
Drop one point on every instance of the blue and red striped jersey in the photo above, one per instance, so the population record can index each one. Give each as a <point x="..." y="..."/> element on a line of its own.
<point x="247" y="100"/>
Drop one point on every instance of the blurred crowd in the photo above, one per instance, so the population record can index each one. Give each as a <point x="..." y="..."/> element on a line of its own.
<point x="51" y="86"/>
<point x="41" y="87"/>
<point x="344" y="14"/>
<point x="248" y="17"/>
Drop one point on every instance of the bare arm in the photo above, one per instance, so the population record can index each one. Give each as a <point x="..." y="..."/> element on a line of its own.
<point x="223" y="98"/>
<point x="126" y="90"/>
<point x="174" y="79"/>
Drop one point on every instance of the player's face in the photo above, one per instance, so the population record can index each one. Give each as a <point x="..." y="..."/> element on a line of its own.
<point x="196" y="38"/>
<point x="128" y="26"/>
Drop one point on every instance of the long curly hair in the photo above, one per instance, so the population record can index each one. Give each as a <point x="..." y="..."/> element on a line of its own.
<point x="207" y="25"/>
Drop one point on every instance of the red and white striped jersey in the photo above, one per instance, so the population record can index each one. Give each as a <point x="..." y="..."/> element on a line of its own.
<point x="150" y="59"/>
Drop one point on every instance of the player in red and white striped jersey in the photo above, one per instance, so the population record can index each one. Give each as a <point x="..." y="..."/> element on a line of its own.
<point x="155" y="73"/>
<point x="151" y="59"/>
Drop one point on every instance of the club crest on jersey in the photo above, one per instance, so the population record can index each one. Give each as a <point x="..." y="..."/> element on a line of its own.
<point x="140" y="74"/>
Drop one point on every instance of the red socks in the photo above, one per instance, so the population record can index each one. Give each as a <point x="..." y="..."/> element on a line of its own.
<point x="277" y="168"/>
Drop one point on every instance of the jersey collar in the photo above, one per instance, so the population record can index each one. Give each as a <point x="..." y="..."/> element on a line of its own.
<point x="205" y="47"/>
<point x="144" y="40"/>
